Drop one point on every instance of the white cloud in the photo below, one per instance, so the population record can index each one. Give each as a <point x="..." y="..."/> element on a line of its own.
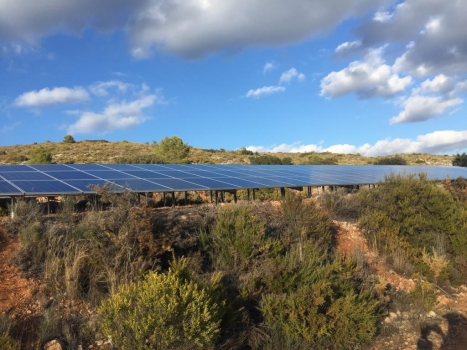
<point x="48" y="97"/>
<point x="368" y="78"/>
<point x="382" y="16"/>
<point x="121" y="115"/>
<point x="419" y="108"/>
<point x="444" y="141"/>
<point x="266" y="90"/>
<point x="347" y="48"/>
<point x="190" y="28"/>
<point x="269" y="67"/>
<point x="100" y="88"/>
<point x="432" y="26"/>
<point x="291" y="74"/>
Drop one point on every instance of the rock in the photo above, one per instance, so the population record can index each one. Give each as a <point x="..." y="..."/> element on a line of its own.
<point x="431" y="314"/>
<point x="387" y="320"/>
<point x="53" y="345"/>
<point x="392" y="315"/>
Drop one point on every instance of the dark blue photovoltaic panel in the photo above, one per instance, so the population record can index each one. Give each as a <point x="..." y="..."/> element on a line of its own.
<point x="110" y="174"/>
<point x="269" y="182"/>
<point x="242" y="183"/>
<point x="212" y="183"/>
<point x="178" y="185"/>
<point x="146" y="174"/>
<point x="83" y="185"/>
<point x="6" y="168"/>
<point x="152" y="167"/>
<point x="141" y="185"/>
<point x="86" y="167"/>
<point x="47" y="167"/>
<point x="121" y="167"/>
<point x="175" y="174"/>
<point x="34" y="179"/>
<point x="8" y="189"/>
<point x="44" y="187"/>
<point x="26" y="175"/>
<point x="70" y="175"/>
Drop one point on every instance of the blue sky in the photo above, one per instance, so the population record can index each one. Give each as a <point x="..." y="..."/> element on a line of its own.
<point x="373" y="77"/>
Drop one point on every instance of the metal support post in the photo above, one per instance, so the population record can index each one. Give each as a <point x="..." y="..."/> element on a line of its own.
<point x="282" y="192"/>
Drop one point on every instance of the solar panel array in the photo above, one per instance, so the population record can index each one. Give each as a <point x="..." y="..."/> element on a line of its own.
<point x="60" y="179"/>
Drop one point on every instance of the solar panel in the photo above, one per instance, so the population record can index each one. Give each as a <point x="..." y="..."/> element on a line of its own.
<point x="53" y="179"/>
<point x="7" y="189"/>
<point x="45" y="187"/>
<point x="25" y="175"/>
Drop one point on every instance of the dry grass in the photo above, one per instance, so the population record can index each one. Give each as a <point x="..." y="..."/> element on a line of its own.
<point x="101" y="151"/>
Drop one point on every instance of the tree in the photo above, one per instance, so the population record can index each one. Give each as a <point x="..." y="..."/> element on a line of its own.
<point x="460" y="160"/>
<point x="68" y="139"/>
<point x="172" y="150"/>
<point x="40" y="156"/>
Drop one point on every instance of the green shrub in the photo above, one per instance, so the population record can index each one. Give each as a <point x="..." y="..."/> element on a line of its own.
<point x="40" y="156"/>
<point x="409" y="214"/>
<point x="394" y="160"/>
<point x="312" y="301"/>
<point x="268" y="159"/>
<point x="460" y="160"/>
<point x="163" y="311"/>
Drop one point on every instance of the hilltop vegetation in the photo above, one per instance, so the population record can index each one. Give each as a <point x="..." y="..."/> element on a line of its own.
<point x="102" y="151"/>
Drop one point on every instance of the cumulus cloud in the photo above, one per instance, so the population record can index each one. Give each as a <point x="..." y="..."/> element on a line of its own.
<point x="290" y="75"/>
<point x="431" y="26"/>
<point x="368" y="78"/>
<point x="419" y="108"/>
<point x="48" y="97"/>
<point x="101" y="88"/>
<point x="444" y="141"/>
<point x="265" y="90"/>
<point x="117" y="115"/>
<point x="191" y="28"/>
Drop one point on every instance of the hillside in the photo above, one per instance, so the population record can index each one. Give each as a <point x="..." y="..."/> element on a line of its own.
<point x="101" y="151"/>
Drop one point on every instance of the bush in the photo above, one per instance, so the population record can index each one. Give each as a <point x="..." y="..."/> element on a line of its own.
<point x="407" y="215"/>
<point x="313" y="303"/>
<point x="163" y="311"/>
<point x="460" y="160"/>
<point x="40" y="156"/>
<point x="270" y="160"/>
<point x="394" y="160"/>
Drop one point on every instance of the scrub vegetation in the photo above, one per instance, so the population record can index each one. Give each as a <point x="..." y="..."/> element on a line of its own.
<point x="174" y="150"/>
<point x="252" y="275"/>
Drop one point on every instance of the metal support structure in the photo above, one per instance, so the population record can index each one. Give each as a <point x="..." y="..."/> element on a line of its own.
<point x="222" y="196"/>
<point x="282" y="192"/>
<point x="310" y="194"/>
<point x="248" y="194"/>
<point x="235" y="196"/>
<point x="186" y="198"/>
<point x="12" y="208"/>
<point x="211" y="195"/>
<point x="217" y="197"/>
<point x="173" y="199"/>
<point x="322" y="187"/>
<point x="163" y="196"/>
<point x="254" y="196"/>
<point x="48" y="205"/>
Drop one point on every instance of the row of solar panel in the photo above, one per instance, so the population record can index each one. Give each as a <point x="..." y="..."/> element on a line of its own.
<point x="76" y="178"/>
